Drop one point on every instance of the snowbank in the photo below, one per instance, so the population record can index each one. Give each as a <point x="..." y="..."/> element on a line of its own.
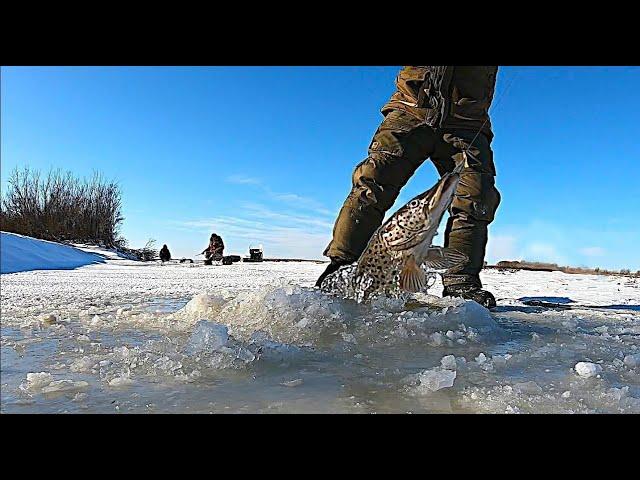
<point x="19" y="253"/>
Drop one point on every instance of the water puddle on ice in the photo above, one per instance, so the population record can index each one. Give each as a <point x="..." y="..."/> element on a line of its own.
<point x="287" y="348"/>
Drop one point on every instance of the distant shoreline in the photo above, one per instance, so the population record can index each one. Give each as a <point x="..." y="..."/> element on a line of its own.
<point x="547" y="267"/>
<point x="293" y="260"/>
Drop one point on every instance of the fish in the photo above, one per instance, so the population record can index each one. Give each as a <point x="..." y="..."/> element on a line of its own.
<point x="393" y="260"/>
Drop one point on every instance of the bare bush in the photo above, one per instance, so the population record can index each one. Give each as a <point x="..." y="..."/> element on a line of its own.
<point x="146" y="254"/>
<point x="62" y="207"/>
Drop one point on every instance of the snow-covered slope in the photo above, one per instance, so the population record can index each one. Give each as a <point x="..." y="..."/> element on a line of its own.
<point x="19" y="253"/>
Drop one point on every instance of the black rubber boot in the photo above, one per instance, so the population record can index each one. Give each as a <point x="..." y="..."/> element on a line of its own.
<point x="332" y="267"/>
<point x="471" y="292"/>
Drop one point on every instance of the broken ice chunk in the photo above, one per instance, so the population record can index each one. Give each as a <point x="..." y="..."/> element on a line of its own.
<point x="437" y="379"/>
<point x="64" y="386"/>
<point x="207" y="336"/>
<point x="120" y="381"/>
<point x="348" y="337"/>
<point x="36" y="381"/>
<point x="481" y="358"/>
<point x="303" y="323"/>
<point x="204" y="305"/>
<point x="632" y="361"/>
<point x="448" y="362"/>
<point x="587" y="369"/>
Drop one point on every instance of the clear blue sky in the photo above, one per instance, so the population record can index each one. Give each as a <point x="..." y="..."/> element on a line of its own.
<point x="265" y="154"/>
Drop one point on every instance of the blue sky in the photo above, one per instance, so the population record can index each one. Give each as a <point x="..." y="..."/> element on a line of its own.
<point x="265" y="154"/>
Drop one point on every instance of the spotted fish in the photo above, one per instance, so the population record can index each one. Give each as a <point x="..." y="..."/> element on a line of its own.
<point x="400" y="249"/>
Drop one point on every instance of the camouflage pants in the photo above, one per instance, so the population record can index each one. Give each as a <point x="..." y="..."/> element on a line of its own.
<point x="400" y="145"/>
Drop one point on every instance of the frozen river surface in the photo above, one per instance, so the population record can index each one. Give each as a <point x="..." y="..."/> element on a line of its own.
<point x="129" y="337"/>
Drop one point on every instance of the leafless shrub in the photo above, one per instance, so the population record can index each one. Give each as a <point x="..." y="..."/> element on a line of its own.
<point x="146" y="254"/>
<point x="62" y="207"/>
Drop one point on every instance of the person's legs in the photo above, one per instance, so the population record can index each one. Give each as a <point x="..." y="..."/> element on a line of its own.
<point x="474" y="204"/>
<point x="399" y="147"/>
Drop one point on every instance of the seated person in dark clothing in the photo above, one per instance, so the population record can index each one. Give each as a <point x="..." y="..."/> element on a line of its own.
<point x="214" y="252"/>
<point x="165" y="254"/>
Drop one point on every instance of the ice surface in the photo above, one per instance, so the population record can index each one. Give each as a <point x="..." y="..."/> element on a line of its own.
<point x="146" y="338"/>
<point x="530" y="388"/>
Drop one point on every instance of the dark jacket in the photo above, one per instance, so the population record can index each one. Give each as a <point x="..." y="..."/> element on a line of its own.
<point x="446" y="96"/>
<point x="165" y="255"/>
<point x="215" y="249"/>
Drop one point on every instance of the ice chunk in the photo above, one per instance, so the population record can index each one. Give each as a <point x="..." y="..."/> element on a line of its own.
<point x="437" y="339"/>
<point x="481" y="358"/>
<point x="632" y="361"/>
<point x="348" y="337"/>
<point x="617" y="394"/>
<point x="79" y="397"/>
<point x="303" y="323"/>
<point x="437" y="379"/>
<point x="121" y="351"/>
<point x="36" y="381"/>
<point x="245" y="355"/>
<point x="448" y="362"/>
<point x="120" y="381"/>
<point x="499" y="360"/>
<point x="207" y="337"/>
<point x="587" y="369"/>
<point x="83" y="364"/>
<point x="204" y="305"/>
<point x="64" y="386"/>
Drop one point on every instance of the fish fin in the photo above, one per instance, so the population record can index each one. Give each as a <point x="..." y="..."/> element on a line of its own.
<point x="412" y="277"/>
<point x="439" y="258"/>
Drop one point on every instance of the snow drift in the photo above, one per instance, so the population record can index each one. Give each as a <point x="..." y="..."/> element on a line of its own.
<point x="19" y="253"/>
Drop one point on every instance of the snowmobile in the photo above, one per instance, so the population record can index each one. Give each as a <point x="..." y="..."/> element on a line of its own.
<point x="255" y="255"/>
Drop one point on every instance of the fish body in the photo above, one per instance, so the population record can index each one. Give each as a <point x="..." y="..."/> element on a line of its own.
<point x="397" y="251"/>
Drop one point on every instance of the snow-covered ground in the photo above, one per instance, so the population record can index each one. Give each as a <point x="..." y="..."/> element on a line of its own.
<point x="19" y="253"/>
<point x="124" y="336"/>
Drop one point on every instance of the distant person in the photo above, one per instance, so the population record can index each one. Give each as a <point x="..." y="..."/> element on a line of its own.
<point x="437" y="112"/>
<point x="165" y="254"/>
<point x="214" y="252"/>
